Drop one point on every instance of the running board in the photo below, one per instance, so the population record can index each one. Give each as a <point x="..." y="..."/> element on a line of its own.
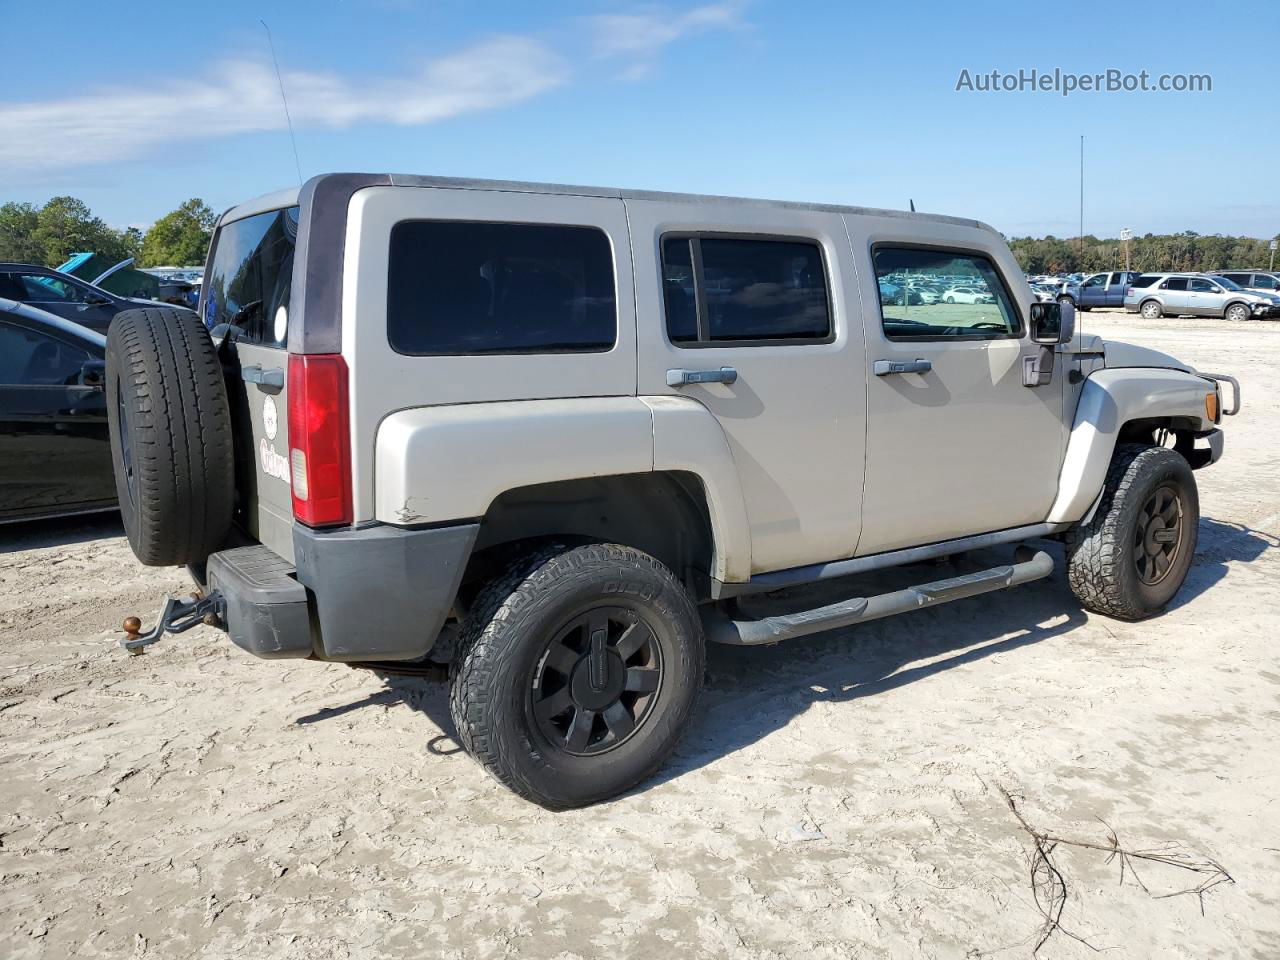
<point x="1028" y="567"/>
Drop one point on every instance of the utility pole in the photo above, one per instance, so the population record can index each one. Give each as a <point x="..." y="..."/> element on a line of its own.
<point x="1080" y="244"/>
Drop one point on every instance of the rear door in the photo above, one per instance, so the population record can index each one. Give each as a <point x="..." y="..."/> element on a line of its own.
<point x="770" y="294"/>
<point x="246" y="293"/>
<point x="54" y="453"/>
<point x="1115" y="289"/>
<point x="1175" y="296"/>
<point x="956" y="444"/>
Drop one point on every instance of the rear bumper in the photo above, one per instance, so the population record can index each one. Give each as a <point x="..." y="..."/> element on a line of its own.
<point x="376" y="593"/>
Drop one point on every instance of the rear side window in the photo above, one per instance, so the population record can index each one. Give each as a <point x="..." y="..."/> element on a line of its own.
<point x="1241" y="278"/>
<point x="741" y="290"/>
<point x="250" y="278"/>
<point x="459" y="287"/>
<point x="1174" y="283"/>
<point x="1146" y="280"/>
<point x="942" y="295"/>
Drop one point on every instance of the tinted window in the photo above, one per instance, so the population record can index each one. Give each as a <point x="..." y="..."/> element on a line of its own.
<point x="972" y="301"/>
<point x="1174" y="283"/>
<point x="1146" y="280"/>
<point x="1240" y="278"/>
<point x="42" y="289"/>
<point x="678" y="289"/>
<point x="251" y="274"/>
<point x="457" y="287"/>
<point x="1265" y="282"/>
<point x="744" y="290"/>
<point x="1203" y="286"/>
<point x="28" y="357"/>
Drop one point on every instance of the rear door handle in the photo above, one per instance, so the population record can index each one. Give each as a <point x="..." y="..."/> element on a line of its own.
<point x="270" y="377"/>
<point x="681" y="377"/>
<point x="883" y="368"/>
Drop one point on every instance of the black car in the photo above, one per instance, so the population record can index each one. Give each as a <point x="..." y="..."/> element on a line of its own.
<point x="63" y="295"/>
<point x="55" y="457"/>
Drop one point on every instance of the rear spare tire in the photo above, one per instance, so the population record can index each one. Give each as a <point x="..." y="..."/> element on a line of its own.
<point x="170" y="435"/>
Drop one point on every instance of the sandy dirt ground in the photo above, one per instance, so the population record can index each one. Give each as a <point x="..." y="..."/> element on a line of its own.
<point x="838" y="796"/>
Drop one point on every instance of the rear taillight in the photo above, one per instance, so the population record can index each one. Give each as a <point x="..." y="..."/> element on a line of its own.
<point x="1128" y="291"/>
<point x="319" y="439"/>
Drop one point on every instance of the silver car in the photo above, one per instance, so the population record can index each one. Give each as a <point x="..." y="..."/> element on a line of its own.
<point x="1156" y="295"/>
<point x="1266" y="281"/>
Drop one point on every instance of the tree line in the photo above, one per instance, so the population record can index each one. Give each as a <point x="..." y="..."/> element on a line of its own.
<point x="1186" y="251"/>
<point x="49" y="234"/>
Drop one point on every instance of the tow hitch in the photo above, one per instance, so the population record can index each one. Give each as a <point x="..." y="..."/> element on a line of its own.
<point x="178" y="616"/>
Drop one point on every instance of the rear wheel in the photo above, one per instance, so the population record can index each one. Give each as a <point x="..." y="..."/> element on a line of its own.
<point x="577" y="673"/>
<point x="1237" y="312"/>
<point x="1151" y="310"/>
<point x="1131" y="559"/>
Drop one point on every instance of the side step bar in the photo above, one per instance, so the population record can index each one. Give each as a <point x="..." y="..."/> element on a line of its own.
<point x="1028" y="566"/>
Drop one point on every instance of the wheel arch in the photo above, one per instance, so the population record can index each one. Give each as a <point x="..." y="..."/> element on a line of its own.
<point x="1123" y="405"/>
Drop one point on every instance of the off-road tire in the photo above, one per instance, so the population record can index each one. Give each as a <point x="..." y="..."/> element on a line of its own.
<point x="1236" y="312"/>
<point x="1100" y="565"/>
<point x="169" y="420"/>
<point x="503" y="639"/>
<point x="1151" y="310"/>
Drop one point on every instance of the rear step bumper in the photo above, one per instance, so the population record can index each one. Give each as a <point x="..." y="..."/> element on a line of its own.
<point x="721" y="629"/>
<point x="266" y="608"/>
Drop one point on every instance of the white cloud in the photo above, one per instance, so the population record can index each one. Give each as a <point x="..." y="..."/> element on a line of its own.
<point x="642" y="36"/>
<point x="242" y="96"/>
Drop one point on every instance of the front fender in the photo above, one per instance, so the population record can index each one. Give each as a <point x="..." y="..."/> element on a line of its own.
<point x="1109" y="399"/>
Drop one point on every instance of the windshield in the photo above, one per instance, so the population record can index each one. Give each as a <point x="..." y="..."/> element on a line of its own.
<point x="250" y="276"/>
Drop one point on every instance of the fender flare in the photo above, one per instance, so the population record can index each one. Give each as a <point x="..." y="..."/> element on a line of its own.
<point x="449" y="463"/>
<point x="1108" y="400"/>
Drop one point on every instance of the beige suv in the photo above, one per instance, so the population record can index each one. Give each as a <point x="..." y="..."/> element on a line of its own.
<point x="558" y="438"/>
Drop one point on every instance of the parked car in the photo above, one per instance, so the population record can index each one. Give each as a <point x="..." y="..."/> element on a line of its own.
<point x="63" y="295"/>
<point x="1099" y="290"/>
<point x="560" y="438"/>
<point x="1044" y="292"/>
<point x="1261" y="280"/>
<point x="967" y="295"/>
<point x="54" y="455"/>
<point x="1155" y="295"/>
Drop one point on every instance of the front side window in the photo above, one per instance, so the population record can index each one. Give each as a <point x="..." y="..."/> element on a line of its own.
<point x="1264" y="282"/>
<point x="44" y="289"/>
<point x="460" y="287"/>
<point x="29" y="358"/>
<point x="744" y="290"/>
<point x="249" y="280"/>
<point x="1203" y="286"/>
<point x="1098" y="281"/>
<point x="973" y="303"/>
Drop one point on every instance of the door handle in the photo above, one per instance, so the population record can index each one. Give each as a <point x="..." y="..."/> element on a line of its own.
<point x="271" y="377"/>
<point x="681" y="377"/>
<point x="883" y="368"/>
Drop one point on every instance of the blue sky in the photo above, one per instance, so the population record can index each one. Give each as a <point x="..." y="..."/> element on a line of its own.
<point x="839" y="102"/>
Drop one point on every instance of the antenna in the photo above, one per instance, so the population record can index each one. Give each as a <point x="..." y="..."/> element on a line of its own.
<point x="283" y="99"/>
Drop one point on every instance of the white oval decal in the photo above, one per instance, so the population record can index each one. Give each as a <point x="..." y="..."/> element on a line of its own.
<point x="270" y="419"/>
<point x="282" y="324"/>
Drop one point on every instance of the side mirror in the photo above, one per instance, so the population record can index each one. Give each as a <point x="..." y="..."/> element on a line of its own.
<point x="93" y="373"/>
<point x="1053" y="322"/>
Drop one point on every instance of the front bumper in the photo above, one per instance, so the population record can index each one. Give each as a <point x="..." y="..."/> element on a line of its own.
<point x="373" y="593"/>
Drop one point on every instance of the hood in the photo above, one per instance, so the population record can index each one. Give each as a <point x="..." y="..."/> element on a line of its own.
<point x="1121" y="354"/>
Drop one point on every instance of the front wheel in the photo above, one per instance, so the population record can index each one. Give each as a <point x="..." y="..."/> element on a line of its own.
<point x="1132" y="557"/>
<point x="1237" y="312"/>
<point x="577" y="673"/>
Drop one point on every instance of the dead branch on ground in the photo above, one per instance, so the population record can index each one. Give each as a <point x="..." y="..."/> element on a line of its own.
<point x="1049" y="886"/>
